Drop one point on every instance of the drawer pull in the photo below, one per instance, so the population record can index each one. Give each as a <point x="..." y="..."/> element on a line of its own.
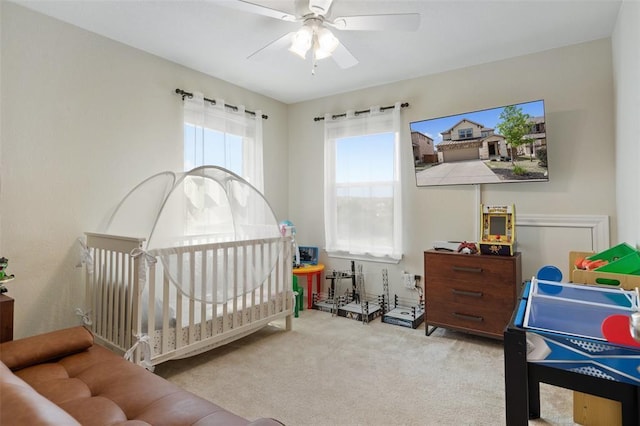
<point x="467" y="269"/>
<point x="466" y="293"/>
<point x="468" y="317"/>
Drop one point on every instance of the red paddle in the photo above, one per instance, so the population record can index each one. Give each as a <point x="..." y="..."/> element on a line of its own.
<point x="615" y="328"/>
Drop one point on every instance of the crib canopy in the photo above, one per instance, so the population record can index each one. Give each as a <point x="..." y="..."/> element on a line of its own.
<point x="205" y="205"/>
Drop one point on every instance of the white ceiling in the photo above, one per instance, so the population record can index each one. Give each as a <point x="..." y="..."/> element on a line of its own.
<point x="215" y="38"/>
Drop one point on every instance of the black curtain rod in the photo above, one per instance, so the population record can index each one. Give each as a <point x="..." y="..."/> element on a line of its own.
<point x="213" y="102"/>
<point x="403" y="105"/>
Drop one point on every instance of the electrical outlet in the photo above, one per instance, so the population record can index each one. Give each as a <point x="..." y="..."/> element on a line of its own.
<point x="409" y="280"/>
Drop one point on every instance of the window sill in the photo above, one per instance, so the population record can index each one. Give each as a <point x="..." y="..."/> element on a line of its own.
<point x="363" y="257"/>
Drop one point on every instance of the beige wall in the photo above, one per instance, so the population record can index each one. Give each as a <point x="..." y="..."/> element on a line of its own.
<point x="83" y="120"/>
<point x="626" y="64"/>
<point x="576" y="84"/>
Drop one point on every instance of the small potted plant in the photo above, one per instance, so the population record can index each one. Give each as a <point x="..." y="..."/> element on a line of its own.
<point x="4" y="276"/>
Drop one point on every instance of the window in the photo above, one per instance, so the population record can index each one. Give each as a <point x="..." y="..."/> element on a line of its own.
<point x="363" y="215"/>
<point x="465" y="133"/>
<point x="215" y="135"/>
<point x="207" y="146"/>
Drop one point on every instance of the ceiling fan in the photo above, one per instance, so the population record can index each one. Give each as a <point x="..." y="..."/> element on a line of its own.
<point x="315" y="37"/>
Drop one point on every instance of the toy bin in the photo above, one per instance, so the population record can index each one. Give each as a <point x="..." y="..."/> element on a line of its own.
<point x="629" y="264"/>
<point x="614" y="253"/>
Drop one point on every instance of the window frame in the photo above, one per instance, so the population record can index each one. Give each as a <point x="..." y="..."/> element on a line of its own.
<point x="375" y="122"/>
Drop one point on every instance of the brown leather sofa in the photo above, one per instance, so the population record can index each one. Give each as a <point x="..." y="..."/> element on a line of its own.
<point x="63" y="378"/>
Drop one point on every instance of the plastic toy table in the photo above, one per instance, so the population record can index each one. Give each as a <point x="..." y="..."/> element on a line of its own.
<point x="309" y="272"/>
<point x="555" y="336"/>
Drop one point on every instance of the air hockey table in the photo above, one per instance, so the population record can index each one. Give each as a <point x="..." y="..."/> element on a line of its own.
<point x="574" y="336"/>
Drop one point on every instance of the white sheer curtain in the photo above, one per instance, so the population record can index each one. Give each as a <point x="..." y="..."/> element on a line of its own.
<point x="363" y="198"/>
<point x="223" y="137"/>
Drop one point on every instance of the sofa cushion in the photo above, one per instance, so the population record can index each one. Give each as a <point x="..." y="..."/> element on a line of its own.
<point x="94" y="410"/>
<point x="22" y="405"/>
<point x="52" y="381"/>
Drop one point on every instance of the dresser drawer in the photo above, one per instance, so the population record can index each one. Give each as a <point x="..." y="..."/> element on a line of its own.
<point x="469" y="267"/>
<point x="492" y="294"/>
<point x="474" y="318"/>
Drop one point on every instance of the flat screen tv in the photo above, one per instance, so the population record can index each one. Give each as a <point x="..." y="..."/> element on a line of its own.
<point x="499" y="145"/>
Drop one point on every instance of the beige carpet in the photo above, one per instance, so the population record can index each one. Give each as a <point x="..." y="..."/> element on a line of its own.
<point x="338" y="371"/>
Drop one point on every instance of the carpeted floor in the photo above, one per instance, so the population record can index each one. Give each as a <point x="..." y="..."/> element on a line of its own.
<point x="338" y="371"/>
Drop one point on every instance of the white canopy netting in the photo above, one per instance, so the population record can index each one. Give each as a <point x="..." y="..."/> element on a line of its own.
<point x="194" y="223"/>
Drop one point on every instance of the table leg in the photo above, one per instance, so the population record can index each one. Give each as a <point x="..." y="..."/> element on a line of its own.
<point x="631" y="409"/>
<point x="319" y="282"/>
<point x="515" y="378"/>
<point x="534" y="398"/>
<point x="309" y="291"/>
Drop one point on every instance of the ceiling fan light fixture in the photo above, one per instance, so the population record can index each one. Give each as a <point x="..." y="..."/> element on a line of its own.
<point x="318" y="53"/>
<point x="325" y="43"/>
<point x="326" y="40"/>
<point x="301" y="41"/>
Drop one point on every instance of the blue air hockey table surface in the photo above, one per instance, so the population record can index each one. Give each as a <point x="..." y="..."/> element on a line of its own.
<point x="556" y="336"/>
<point x="564" y="324"/>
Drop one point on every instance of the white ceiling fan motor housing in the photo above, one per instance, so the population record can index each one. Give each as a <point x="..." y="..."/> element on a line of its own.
<point x="320" y="7"/>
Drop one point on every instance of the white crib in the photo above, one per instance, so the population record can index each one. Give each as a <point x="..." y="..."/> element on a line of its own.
<point x="134" y="306"/>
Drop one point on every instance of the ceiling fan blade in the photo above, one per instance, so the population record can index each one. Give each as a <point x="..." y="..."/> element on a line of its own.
<point x="277" y="44"/>
<point x="343" y="57"/>
<point x="261" y="10"/>
<point x="387" y="22"/>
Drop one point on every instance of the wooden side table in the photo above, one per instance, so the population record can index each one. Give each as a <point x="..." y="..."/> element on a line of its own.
<point x="309" y="272"/>
<point x="6" y="318"/>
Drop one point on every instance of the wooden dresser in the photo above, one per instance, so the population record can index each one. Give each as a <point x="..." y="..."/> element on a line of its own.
<point x="471" y="293"/>
<point x="6" y="318"/>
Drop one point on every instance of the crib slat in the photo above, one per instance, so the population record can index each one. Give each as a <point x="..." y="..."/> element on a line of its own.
<point x="120" y="315"/>
<point x="97" y="291"/>
<point x="151" y="302"/>
<point x="129" y="300"/>
<point x="152" y="305"/>
<point x="111" y="282"/>
<point x="235" y="268"/>
<point x="178" y="298"/>
<point x="165" y="320"/>
<point x="103" y="293"/>
<point x="214" y="290"/>
<point x="113" y="290"/>
<point x="243" y="283"/>
<point x="204" y="278"/>
<point x="271" y="309"/>
<point x="192" y="292"/>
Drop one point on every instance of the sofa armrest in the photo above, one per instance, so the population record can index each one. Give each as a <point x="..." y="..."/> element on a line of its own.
<point x="45" y="347"/>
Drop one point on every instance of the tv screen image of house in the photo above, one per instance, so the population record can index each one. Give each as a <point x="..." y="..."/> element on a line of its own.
<point x="499" y="145"/>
